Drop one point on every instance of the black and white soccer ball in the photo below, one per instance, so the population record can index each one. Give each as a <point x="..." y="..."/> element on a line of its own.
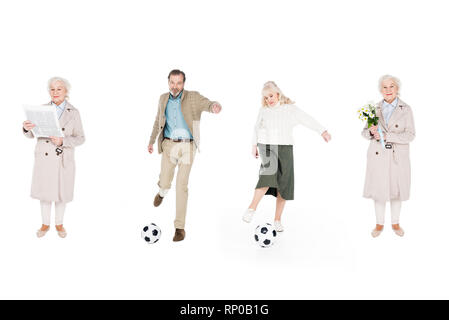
<point x="151" y="233"/>
<point x="265" y="235"/>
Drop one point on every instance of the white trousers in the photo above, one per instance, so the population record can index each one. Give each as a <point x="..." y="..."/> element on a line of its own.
<point x="46" y="212"/>
<point x="395" y="207"/>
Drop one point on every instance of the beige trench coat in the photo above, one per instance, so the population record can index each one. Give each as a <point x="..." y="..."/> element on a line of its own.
<point x="388" y="170"/>
<point x="192" y="105"/>
<point x="53" y="174"/>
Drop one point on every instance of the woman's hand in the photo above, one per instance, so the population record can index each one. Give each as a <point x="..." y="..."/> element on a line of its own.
<point x="373" y="129"/>
<point x="27" y="125"/>
<point x="216" y="108"/>
<point x="326" y="136"/>
<point x="255" y="152"/>
<point x="56" y="141"/>
<point x="376" y="136"/>
<point x="150" y="148"/>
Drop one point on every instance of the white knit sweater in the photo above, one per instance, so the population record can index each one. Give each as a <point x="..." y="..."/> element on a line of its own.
<point x="275" y="124"/>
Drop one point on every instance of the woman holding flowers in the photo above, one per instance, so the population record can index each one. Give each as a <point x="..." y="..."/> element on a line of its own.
<point x="273" y="140"/>
<point x="390" y="128"/>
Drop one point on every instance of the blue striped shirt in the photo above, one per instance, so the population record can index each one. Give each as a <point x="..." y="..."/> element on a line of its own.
<point x="60" y="108"/>
<point x="388" y="108"/>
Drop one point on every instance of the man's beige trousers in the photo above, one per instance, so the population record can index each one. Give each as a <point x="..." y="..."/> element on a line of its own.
<point x="181" y="155"/>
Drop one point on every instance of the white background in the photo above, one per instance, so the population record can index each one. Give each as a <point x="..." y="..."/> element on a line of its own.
<point x="326" y="55"/>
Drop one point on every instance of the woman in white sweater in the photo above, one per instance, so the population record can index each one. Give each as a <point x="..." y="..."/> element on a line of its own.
<point x="273" y="141"/>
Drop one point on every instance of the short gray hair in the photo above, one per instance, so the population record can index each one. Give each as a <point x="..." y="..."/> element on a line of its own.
<point x="390" y="77"/>
<point x="64" y="81"/>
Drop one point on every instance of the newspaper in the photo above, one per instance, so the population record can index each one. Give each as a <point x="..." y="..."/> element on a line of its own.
<point x="45" y="119"/>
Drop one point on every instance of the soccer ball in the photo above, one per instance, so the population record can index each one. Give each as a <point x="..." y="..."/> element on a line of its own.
<point x="151" y="233"/>
<point x="265" y="235"/>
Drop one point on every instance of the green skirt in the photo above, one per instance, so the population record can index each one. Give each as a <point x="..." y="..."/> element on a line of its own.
<point x="276" y="170"/>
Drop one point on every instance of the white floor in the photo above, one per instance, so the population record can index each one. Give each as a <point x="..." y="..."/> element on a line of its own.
<point x="325" y="252"/>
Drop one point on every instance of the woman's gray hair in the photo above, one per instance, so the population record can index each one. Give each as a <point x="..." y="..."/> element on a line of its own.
<point x="64" y="81"/>
<point x="390" y="77"/>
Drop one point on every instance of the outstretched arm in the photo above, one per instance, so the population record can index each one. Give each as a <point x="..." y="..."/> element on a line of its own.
<point x="207" y="105"/>
<point x="301" y="117"/>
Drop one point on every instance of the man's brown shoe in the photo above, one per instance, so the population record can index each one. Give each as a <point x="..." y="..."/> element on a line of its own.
<point x="157" y="200"/>
<point x="180" y="234"/>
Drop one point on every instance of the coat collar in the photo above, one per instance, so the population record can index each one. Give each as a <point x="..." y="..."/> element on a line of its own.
<point x="178" y="97"/>
<point x="164" y="102"/>
<point x="166" y="96"/>
<point x="66" y="115"/>
<point x="396" y="113"/>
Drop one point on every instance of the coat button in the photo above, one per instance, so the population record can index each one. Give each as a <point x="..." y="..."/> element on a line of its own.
<point x="396" y="126"/>
<point x="47" y="141"/>
<point x="63" y="129"/>
<point x="377" y="152"/>
<point x="46" y="153"/>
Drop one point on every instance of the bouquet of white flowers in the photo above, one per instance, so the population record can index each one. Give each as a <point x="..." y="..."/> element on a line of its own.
<point x="368" y="113"/>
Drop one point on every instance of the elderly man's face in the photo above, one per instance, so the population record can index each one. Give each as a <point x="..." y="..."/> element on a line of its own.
<point x="176" y="84"/>
<point x="389" y="90"/>
<point x="271" y="98"/>
<point x="58" y="92"/>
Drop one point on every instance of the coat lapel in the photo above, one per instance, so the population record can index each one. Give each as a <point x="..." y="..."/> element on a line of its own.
<point x="66" y="115"/>
<point x="396" y="113"/>
<point x="184" y="93"/>
<point x="164" y="104"/>
<point x="187" y="110"/>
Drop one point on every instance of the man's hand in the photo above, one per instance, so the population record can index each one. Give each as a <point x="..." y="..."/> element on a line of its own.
<point x="150" y="148"/>
<point x="216" y="108"/>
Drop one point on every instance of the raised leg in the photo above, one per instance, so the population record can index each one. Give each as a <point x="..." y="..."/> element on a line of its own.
<point x="258" y="195"/>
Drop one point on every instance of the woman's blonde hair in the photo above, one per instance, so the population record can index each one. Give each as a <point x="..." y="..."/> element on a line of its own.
<point x="271" y="86"/>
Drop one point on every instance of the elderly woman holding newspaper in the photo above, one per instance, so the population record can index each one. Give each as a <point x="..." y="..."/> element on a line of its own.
<point x="388" y="163"/>
<point x="54" y="164"/>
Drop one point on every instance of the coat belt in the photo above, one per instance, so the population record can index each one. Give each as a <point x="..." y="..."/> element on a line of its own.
<point x="60" y="153"/>
<point x="394" y="153"/>
<point x="393" y="149"/>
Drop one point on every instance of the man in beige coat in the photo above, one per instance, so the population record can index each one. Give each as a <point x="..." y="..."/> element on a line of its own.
<point x="176" y="129"/>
